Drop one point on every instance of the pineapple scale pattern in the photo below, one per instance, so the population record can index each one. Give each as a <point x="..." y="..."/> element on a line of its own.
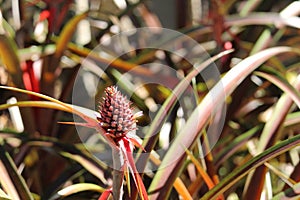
<point x="116" y="116"/>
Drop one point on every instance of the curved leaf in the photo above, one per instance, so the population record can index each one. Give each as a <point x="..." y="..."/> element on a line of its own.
<point x="66" y="34"/>
<point x="209" y="182"/>
<point x="263" y="19"/>
<point x="289" y="194"/>
<point x="201" y="115"/>
<point x="79" y="187"/>
<point x="171" y="100"/>
<point x="87" y="164"/>
<point x="228" y="150"/>
<point x="84" y="113"/>
<point x="167" y="106"/>
<point x="4" y="196"/>
<point x="10" y="59"/>
<point x="258" y="160"/>
<point x="11" y="179"/>
<point x="272" y="130"/>
<point x="283" y="84"/>
<point x="117" y="62"/>
<point x="39" y="104"/>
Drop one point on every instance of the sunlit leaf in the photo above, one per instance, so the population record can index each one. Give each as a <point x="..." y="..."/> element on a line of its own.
<point x="255" y="162"/>
<point x="4" y="196"/>
<point x="80" y="187"/>
<point x="87" y="165"/>
<point x="28" y="53"/>
<point x="263" y="19"/>
<point x="280" y="174"/>
<point x="163" y="112"/>
<point x="229" y="149"/>
<point x="39" y="104"/>
<point x="202" y="113"/>
<point x="84" y="113"/>
<point x="201" y="171"/>
<point x="10" y="59"/>
<point x="116" y="63"/>
<point x="66" y="34"/>
<point x="181" y="189"/>
<point x="272" y="130"/>
<point x="283" y="84"/>
<point x="10" y="177"/>
<point x="292" y="193"/>
<point x="131" y="165"/>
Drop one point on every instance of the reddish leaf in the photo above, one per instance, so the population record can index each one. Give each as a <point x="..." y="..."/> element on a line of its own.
<point x="105" y="195"/>
<point x="136" y="176"/>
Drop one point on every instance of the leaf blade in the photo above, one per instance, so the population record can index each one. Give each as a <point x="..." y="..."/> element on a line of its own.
<point x="10" y="59"/>
<point x="201" y="114"/>
<point x="80" y="187"/>
<point x="17" y="181"/>
<point x="258" y="160"/>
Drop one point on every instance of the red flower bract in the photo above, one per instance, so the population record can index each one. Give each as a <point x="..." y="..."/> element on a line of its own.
<point x="116" y="116"/>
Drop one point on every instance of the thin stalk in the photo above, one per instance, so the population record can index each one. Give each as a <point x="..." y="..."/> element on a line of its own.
<point x="118" y="173"/>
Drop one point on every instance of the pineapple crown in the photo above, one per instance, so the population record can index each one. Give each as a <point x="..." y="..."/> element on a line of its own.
<point x="116" y="115"/>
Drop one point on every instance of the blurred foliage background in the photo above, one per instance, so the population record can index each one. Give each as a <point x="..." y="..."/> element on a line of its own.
<point x="43" y="44"/>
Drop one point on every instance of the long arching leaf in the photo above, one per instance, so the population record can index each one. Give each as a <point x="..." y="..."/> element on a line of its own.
<point x="161" y="184"/>
<point x="258" y="160"/>
<point x="79" y="187"/>
<point x="10" y="177"/>
<point x="10" y="59"/>
<point x="171" y="100"/>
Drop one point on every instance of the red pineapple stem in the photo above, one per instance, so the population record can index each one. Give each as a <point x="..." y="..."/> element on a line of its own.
<point x="119" y="123"/>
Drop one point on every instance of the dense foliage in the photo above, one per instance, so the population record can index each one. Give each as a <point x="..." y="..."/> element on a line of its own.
<point x="237" y="142"/>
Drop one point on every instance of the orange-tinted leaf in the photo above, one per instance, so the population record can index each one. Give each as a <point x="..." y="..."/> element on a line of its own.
<point x="10" y="178"/>
<point x="136" y="176"/>
<point x="201" y="171"/>
<point x="66" y="34"/>
<point x="105" y="195"/>
<point x="199" y="118"/>
<point x="79" y="187"/>
<point x="255" y="162"/>
<point x="10" y="59"/>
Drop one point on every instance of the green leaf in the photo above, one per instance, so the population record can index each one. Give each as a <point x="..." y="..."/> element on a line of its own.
<point x="116" y="62"/>
<point x="10" y="177"/>
<point x="161" y="182"/>
<point x="86" y="114"/>
<point x="292" y="193"/>
<point x="4" y="196"/>
<point x="283" y="84"/>
<point x="79" y="187"/>
<point x="165" y="109"/>
<point x="161" y="116"/>
<point x="66" y="34"/>
<point x="210" y="184"/>
<point x="292" y="121"/>
<point x="272" y="129"/>
<point x="39" y="104"/>
<point x="229" y="149"/>
<point x="10" y="59"/>
<point x="263" y="18"/>
<point x="29" y="52"/>
<point x="255" y="162"/>
<point x="89" y="166"/>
